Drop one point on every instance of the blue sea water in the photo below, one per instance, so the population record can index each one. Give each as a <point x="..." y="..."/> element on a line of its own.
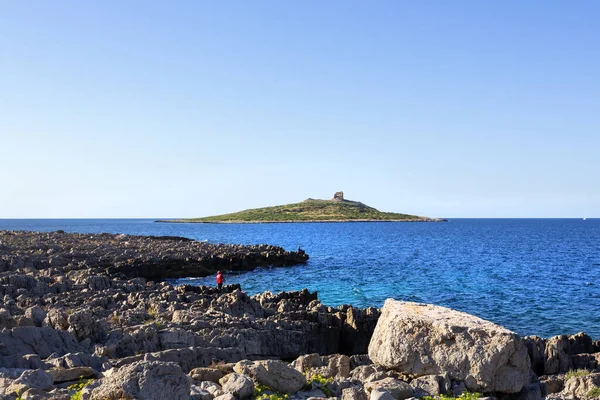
<point x="533" y="276"/>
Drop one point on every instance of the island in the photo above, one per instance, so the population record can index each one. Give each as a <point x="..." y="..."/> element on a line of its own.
<point x="338" y="209"/>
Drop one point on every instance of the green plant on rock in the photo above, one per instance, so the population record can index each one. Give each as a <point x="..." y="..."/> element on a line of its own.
<point x="594" y="392"/>
<point x="576" y="372"/>
<point x="76" y="389"/>
<point x="159" y="324"/>
<point x="318" y="380"/>
<point x="152" y="311"/>
<point x="463" y="396"/>
<point x="263" y="392"/>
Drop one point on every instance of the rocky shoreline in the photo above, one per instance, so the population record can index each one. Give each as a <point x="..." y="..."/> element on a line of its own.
<point x="88" y="317"/>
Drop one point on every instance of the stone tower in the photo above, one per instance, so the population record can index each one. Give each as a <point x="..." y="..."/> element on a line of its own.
<point x="338" y="196"/>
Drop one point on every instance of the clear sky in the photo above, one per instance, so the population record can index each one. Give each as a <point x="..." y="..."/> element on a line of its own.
<point x="193" y="108"/>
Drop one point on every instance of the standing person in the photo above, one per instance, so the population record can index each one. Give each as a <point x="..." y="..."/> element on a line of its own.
<point x="220" y="280"/>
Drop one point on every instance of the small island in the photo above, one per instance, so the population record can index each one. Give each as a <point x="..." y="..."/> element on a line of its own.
<point x="338" y="209"/>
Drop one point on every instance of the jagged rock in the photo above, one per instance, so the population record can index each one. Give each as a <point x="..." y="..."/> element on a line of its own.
<point x="307" y="361"/>
<point x="580" y="386"/>
<point x="357" y="329"/>
<point x="60" y="375"/>
<point x="554" y="383"/>
<point x="381" y="394"/>
<point x="585" y="361"/>
<point x="36" y="314"/>
<point x="432" y="385"/>
<point x="57" y="319"/>
<point x="196" y="393"/>
<point x="274" y="374"/>
<point x="580" y="343"/>
<point x="226" y="396"/>
<point x="41" y="341"/>
<point x="83" y="325"/>
<point x="354" y="393"/>
<point x="357" y="360"/>
<point x="145" y="380"/>
<point x="35" y="378"/>
<point x="206" y="374"/>
<point x="422" y="339"/>
<point x="39" y="394"/>
<point x="368" y="373"/>
<point x="398" y="389"/>
<point x="240" y="386"/>
<point x="557" y="358"/>
<point x="536" y="348"/>
<point x="213" y="388"/>
<point x="71" y="360"/>
<point x="339" y="364"/>
<point x="6" y="319"/>
<point x="529" y="392"/>
<point x="192" y="357"/>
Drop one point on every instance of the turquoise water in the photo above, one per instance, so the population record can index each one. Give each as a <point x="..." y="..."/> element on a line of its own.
<point x="534" y="276"/>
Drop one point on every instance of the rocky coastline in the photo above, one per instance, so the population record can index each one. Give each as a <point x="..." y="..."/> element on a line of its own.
<point x="88" y="317"/>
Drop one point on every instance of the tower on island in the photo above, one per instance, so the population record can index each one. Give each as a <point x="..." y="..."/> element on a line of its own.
<point x="338" y="196"/>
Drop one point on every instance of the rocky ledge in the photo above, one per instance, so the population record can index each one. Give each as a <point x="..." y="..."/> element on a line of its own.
<point x="148" y="257"/>
<point x="72" y="327"/>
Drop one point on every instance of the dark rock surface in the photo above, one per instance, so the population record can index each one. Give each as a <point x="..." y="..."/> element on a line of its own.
<point x="149" y="257"/>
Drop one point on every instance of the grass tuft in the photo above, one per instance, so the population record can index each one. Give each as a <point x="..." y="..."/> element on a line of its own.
<point x="576" y="372"/>
<point x="595" y="392"/>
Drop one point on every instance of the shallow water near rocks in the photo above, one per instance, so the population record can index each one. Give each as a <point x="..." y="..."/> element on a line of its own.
<point x="533" y="276"/>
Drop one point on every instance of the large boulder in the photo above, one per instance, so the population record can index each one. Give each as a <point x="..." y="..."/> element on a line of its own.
<point x="421" y="339"/>
<point x="275" y="374"/>
<point x="145" y="381"/>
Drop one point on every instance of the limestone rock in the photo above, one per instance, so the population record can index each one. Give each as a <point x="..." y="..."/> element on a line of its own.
<point x="36" y="378"/>
<point x="432" y="385"/>
<point x="83" y="325"/>
<point x="368" y="373"/>
<point x="145" y="381"/>
<point x="398" y="389"/>
<point x="240" y="386"/>
<point x="213" y="388"/>
<point x="381" y="394"/>
<point x="422" y="339"/>
<point x="41" y="341"/>
<point x="307" y="361"/>
<point x="71" y="374"/>
<point x="354" y="393"/>
<point x="206" y="374"/>
<point x="339" y="365"/>
<point x="197" y="393"/>
<point x="36" y="314"/>
<point x="580" y="386"/>
<point x="536" y="348"/>
<point x="272" y="373"/>
<point x="57" y="318"/>
<point x="226" y="396"/>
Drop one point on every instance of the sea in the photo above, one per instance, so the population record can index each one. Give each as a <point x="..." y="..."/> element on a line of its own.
<point x="533" y="276"/>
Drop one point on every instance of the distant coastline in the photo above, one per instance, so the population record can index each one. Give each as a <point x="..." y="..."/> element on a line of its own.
<point x="337" y="209"/>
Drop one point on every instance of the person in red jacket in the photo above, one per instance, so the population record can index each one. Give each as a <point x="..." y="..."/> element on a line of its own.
<point x="220" y="280"/>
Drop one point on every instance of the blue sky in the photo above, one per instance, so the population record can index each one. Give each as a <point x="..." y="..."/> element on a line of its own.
<point x="193" y="108"/>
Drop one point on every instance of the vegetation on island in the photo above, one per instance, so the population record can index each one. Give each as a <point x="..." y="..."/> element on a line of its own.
<point x="337" y="209"/>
